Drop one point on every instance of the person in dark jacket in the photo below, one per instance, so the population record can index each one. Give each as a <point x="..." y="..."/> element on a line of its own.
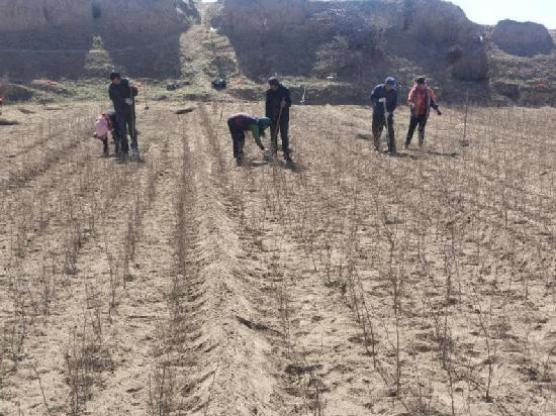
<point x="384" y="99"/>
<point x="278" y="103"/>
<point x="240" y="123"/>
<point x="123" y="96"/>
<point x="421" y="99"/>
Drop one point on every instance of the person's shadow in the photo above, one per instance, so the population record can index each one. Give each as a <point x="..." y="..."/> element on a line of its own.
<point x="365" y="137"/>
<point x="290" y="165"/>
<point x="442" y="154"/>
<point x="293" y="166"/>
<point x="257" y="163"/>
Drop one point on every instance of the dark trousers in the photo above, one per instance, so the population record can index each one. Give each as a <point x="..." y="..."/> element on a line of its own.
<point x="238" y="138"/>
<point x="282" y="128"/>
<point x="379" y="121"/>
<point x="105" y="145"/>
<point x="105" y="150"/>
<point x="126" y="124"/>
<point x="415" y="121"/>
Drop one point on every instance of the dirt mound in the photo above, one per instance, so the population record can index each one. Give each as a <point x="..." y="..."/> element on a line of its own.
<point x="52" y="38"/>
<point x="14" y="92"/>
<point x="523" y="39"/>
<point x="49" y="86"/>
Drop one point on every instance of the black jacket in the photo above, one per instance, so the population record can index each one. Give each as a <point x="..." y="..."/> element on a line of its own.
<point x="391" y="100"/>
<point x="119" y="93"/>
<point x="273" y="103"/>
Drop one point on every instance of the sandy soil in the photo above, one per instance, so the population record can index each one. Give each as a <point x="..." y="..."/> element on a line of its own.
<point x="351" y="283"/>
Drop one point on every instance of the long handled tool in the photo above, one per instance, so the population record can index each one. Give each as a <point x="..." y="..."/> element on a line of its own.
<point x="275" y="137"/>
<point x="377" y="140"/>
<point x="385" y="117"/>
<point x="133" y="132"/>
<point x="391" y="146"/>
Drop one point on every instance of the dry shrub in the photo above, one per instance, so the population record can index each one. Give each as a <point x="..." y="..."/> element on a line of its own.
<point x="86" y="358"/>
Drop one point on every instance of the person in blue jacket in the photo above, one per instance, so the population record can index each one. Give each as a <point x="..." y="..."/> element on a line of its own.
<point x="384" y="99"/>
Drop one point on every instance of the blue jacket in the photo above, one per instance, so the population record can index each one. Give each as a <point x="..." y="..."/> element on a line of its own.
<point x="391" y="100"/>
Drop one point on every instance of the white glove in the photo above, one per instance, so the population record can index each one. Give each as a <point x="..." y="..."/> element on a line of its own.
<point x="386" y="115"/>
<point x="129" y="101"/>
<point x="382" y="100"/>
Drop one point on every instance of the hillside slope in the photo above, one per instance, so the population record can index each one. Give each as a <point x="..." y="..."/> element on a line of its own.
<point x="522" y="58"/>
<point x="52" y="38"/>
<point x="327" y="51"/>
<point x="358" y="43"/>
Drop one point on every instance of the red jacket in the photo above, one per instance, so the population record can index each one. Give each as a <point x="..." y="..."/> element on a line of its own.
<point x="421" y="99"/>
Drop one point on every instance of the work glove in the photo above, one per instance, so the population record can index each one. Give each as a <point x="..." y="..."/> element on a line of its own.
<point x="283" y="104"/>
<point x="129" y="101"/>
<point x="262" y="148"/>
<point x="439" y="112"/>
<point x="382" y="100"/>
<point x="387" y="115"/>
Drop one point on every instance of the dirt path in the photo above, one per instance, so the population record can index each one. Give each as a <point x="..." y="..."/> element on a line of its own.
<point x="233" y="360"/>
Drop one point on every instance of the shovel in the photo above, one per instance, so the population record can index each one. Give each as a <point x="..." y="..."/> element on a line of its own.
<point x="275" y="136"/>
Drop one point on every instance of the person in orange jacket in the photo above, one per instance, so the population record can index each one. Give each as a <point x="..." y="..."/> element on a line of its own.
<point x="421" y="99"/>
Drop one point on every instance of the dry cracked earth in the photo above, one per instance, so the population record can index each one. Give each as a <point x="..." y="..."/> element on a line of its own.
<point x="348" y="284"/>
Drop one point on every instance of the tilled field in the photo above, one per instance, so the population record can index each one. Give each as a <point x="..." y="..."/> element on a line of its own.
<point x="351" y="283"/>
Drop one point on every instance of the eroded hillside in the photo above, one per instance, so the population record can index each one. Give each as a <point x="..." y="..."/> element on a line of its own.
<point x="329" y="51"/>
<point x="53" y="38"/>
<point x="356" y="42"/>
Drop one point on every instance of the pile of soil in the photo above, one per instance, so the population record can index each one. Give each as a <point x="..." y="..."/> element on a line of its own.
<point x="15" y="92"/>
